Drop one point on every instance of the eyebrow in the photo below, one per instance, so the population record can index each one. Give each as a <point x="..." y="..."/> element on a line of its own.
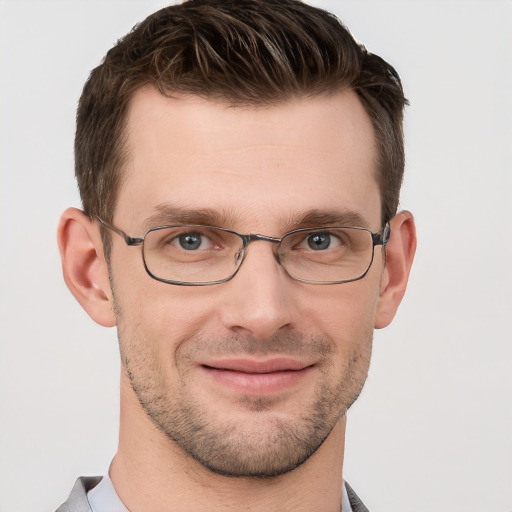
<point x="314" y="218"/>
<point x="167" y="214"/>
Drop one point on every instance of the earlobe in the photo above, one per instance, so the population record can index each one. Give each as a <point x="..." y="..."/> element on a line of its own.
<point x="399" y="257"/>
<point x="84" y="267"/>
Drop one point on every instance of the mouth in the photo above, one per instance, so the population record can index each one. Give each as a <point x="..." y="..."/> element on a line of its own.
<point x="257" y="377"/>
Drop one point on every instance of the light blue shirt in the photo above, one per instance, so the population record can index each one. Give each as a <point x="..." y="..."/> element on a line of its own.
<point x="104" y="498"/>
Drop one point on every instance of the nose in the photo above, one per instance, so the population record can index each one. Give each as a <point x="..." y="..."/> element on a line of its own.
<point x="259" y="300"/>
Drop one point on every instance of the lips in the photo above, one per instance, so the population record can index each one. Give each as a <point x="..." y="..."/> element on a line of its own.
<point x="253" y="366"/>
<point x="257" y="377"/>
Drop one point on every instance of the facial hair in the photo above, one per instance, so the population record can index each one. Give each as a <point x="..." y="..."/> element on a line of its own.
<point x="266" y="444"/>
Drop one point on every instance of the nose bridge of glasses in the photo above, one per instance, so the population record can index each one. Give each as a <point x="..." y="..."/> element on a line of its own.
<point x="248" y="239"/>
<point x="264" y="238"/>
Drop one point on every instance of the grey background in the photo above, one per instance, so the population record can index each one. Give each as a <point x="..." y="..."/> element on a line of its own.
<point x="432" y="429"/>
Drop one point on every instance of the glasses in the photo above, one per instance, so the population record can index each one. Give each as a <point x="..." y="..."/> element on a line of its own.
<point x="195" y="255"/>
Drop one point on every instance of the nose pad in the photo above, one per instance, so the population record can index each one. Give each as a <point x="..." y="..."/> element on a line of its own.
<point x="239" y="256"/>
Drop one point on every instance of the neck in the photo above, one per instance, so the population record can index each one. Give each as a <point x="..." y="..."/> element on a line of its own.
<point x="151" y="473"/>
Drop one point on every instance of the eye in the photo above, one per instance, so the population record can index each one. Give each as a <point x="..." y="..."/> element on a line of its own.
<point x="320" y="241"/>
<point x="192" y="241"/>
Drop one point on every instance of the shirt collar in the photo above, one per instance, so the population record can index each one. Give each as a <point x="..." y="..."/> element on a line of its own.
<point x="104" y="498"/>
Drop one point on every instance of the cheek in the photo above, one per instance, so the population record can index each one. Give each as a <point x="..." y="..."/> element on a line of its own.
<point x="156" y="317"/>
<point x="345" y="311"/>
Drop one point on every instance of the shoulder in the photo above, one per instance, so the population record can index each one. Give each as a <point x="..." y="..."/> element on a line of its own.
<point x="355" y="502"/>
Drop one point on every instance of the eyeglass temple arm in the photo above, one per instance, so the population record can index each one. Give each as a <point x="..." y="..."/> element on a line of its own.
<point x="382" y="237"/>
<point x="129" y="240"/>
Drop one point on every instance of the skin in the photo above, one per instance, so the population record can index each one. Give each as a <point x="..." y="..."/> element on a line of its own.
<point x="189" y="437"/>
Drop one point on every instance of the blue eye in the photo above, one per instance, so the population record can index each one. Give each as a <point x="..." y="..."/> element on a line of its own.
<point x="319" y="241"/>
<point x="190" y="241"/>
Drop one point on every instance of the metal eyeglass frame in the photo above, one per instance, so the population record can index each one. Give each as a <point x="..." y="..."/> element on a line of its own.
<point x="379" y="238"/>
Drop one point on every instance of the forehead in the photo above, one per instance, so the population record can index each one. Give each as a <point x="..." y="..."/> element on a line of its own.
<point x="258" y="164"/>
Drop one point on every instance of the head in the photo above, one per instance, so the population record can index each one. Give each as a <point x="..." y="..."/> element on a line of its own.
<point x="259" y="117"/>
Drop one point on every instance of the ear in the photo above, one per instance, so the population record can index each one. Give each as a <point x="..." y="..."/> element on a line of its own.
<point x="400" y="251"/>
<point x="84" y="267"/>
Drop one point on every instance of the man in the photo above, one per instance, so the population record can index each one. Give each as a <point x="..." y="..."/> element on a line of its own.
<point x="239" y="165"/>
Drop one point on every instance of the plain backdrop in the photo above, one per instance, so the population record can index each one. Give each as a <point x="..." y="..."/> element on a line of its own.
<point x="432" y="429"/>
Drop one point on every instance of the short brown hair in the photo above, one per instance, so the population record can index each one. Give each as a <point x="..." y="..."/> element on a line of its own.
<point x="245" y="52"/>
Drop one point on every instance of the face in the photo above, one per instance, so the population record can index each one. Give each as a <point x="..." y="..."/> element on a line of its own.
<point x="248" y="377"/>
